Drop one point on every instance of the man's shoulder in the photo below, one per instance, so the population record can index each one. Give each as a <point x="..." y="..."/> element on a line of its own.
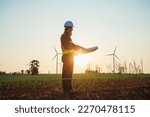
<point x="65" y="36"/>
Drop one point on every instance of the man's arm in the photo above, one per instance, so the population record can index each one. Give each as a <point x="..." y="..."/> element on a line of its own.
<point x="67" y="43"/>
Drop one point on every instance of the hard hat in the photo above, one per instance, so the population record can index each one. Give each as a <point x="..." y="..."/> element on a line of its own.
<point x="68" y="24"/>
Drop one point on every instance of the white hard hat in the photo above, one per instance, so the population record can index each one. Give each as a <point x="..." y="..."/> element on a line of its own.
<point x="68" y="24"/>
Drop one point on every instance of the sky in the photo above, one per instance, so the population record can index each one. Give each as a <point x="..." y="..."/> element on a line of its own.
<point x="29" y="29"/>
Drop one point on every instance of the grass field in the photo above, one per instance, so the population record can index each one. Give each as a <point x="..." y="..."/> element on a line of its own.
<point x="88" y="86"/>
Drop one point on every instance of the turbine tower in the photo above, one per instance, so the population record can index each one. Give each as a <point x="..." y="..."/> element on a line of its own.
<point x="114" y="56"/>
<point x="142" y="65"/>
<point x="135" y="67"/>
<point x="56" y="56"/>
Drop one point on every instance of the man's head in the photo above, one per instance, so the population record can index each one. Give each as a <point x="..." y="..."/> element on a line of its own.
<point x="68" y="24"/>
<point x="68" y="27"/>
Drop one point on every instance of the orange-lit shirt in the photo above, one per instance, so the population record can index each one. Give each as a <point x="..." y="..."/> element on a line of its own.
<point x="67" y="45"/>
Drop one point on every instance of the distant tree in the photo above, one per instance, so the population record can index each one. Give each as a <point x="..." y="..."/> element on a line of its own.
<point x="2" y="73"/>
<point x="121" y="69"/>
<point x="15" y="73"/>
<point x="97" y="69"/>
<point x="22" y="71"/>
<point x="27" y="71"/>
<point x="34" y="67"/>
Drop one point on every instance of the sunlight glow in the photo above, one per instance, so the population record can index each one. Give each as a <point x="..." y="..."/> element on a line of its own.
<point x="82" y="59"/>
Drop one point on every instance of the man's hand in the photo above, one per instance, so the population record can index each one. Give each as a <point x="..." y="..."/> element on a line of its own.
<point x="82" y="48"/>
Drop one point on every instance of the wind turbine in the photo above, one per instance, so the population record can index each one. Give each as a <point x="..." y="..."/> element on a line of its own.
<point x="56" y="56"/>
<point x="114" y="56"/>
<point x="142" y="65"/>
<point x="125" y="67"/>
<point x="131" y="67"/>
<point x="135" y="67"/>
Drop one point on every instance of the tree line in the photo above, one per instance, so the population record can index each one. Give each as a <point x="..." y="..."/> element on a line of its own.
<point x="33" y="69"/>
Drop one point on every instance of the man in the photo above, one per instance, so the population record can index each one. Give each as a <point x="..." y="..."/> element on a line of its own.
<point x="68" y="49"/>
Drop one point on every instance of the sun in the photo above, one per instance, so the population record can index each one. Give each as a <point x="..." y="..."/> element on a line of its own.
<point x="82" y="59"/>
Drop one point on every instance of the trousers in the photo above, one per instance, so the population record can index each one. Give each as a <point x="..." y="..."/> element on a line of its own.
<point x="67" y="71"/>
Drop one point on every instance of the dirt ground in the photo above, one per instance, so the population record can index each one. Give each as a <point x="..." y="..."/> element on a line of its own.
<point x="131" y="89"/>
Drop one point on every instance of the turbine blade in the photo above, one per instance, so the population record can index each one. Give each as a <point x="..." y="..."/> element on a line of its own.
<point x="55" y="49"/>
<point x="114" y="50"/>
<point x="117" y="57"/>
<point x="54" y="57"/>
<point x="109" y="54"/>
